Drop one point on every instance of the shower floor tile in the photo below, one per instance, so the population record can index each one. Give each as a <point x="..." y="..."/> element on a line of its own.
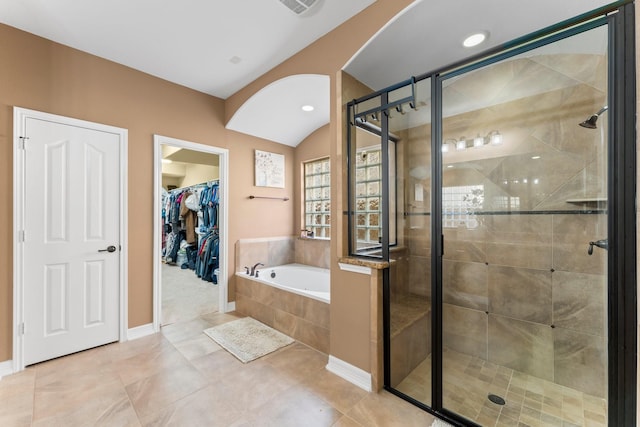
<point x="530" y="401"/>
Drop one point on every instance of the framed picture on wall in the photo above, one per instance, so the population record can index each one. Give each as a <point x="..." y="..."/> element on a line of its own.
<point x="269" y="169"/>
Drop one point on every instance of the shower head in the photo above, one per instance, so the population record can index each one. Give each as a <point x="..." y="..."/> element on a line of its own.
<point x="590" y="123"/>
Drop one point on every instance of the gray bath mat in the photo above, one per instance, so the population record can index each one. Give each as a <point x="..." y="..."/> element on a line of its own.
<point x="247" y="339"/>
<point x="439" y="423"/>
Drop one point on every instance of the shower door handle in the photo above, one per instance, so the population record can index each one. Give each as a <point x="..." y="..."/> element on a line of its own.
<point x="603" y="243"/>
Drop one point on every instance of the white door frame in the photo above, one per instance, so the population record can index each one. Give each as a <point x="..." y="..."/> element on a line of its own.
<point x="20" y="116"/>
<point x="223" y="153"/>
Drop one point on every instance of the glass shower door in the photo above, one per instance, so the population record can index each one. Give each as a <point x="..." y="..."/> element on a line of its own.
<point x="409" y="282"/>
<point x="524" y="221"/>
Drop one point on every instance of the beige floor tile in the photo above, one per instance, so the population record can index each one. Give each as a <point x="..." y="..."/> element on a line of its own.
<point x="384" y="409"/>
<point x="293" y="408"/>
<point x="338" y="392"/>
<point x="64" y="394"/>
<point x="182" y="331"/>
<point x="16" y="395"/>
<point x="124" y="350"/>
<point x="346" y="421"/>
<point x="146" y="364"/>
<point x="106" y="408"/>
<point x="216" y="366"/>
<point x="197" y="347"/>
<point x="217" y="318"/>
<point x="152" y="394"/>
<point x="297" y="361"/>
<point x="209" y="407"/>
<point x="254" y="385"/>
<point x="96" y="360"/>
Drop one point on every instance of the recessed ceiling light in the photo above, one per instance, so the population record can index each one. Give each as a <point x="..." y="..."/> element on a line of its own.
<point x="475" y="39"/>
<point x="235" y="59"/>
<point x="307" y="108"/>
<point x="535" y="157"/>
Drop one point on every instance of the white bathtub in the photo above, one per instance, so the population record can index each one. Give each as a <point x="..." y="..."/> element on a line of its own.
<point x="300" y="279"/>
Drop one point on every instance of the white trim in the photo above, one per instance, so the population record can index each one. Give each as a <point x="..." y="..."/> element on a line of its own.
<point x="124" y="234"/>
<point x="6" y="368"/>
<point x="350" y="373"/>
<point x="231" y="306"/>
<point x="140" y="331"/>
<point x="361" y="269"/>
<point x="223" y="191"/>
<point x="20" y="115"/>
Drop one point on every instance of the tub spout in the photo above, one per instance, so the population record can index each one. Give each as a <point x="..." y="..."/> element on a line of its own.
<point x="253" y="269"/>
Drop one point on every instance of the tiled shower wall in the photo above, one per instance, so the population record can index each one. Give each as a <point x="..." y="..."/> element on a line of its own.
<point x="522" y="292"/>
<point x="272" y="251"/>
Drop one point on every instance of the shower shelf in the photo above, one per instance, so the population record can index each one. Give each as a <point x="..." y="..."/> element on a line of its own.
<point x="588" y="200"/>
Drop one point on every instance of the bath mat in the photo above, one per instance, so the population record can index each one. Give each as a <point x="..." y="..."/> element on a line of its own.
<point x="247" y="339"/>
<point x="439" y="423"/>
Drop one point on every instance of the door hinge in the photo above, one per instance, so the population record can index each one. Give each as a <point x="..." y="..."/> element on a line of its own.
<point x="21" y="141"/>
<point x="21" y="236"/>
<point x="21" y="329"/>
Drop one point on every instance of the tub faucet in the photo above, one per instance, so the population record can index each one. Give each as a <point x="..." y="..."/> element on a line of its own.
<point x="253" y="269"/>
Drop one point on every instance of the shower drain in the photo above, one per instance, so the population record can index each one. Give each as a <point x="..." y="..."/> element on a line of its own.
<point x="496" y="399"/>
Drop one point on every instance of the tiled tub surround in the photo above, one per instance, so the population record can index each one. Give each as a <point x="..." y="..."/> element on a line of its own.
<point x="272" y="251"/>
<point x="300" y="317"/>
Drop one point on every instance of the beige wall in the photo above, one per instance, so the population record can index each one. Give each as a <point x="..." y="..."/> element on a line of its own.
<point x="197" y="174"/>
<point x="350" y="292"/>
<point x="42" y="75"/>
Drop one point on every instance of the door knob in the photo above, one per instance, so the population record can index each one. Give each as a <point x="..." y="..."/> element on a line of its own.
<point x="109" y="249"/>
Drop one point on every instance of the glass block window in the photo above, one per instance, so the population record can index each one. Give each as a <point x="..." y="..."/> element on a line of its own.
<point x="317" y="197"/>
<point x="459" y="205"/>
<point x="368" y="198"/>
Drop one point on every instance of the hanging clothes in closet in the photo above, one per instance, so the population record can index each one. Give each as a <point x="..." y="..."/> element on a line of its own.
<point x="191" y="229"/>
<point x="208" y="261"/>
<point x="189" y="216"/>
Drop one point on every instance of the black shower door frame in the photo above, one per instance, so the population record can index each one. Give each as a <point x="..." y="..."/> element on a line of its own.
<point x="622" y="292"/>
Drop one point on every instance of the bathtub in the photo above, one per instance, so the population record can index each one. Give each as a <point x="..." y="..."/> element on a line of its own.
<point x="300" y="279"/>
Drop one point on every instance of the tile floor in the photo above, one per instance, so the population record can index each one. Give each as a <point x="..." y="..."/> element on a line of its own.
<point x="179" y="377"/>
<point x="530" y="401"/>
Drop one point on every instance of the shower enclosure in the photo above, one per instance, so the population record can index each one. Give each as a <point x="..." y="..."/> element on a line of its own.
<point x="494" y="189"/>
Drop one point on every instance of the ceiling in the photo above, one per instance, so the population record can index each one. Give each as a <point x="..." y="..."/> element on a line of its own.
<point x="219" y="47"/>
<point x="428" y="35"/>
<point x="215" y="47"/>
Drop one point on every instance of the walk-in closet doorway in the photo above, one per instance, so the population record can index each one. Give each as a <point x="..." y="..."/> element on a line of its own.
<point x="184" y="282"/>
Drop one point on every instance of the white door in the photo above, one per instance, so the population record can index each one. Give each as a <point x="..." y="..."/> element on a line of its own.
<point x="71" y="239"/>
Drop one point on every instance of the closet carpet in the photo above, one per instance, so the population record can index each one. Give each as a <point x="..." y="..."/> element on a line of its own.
<point x="185" y="296"/>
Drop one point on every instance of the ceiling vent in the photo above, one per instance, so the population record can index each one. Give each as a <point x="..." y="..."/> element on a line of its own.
<point x="298" y="6"/>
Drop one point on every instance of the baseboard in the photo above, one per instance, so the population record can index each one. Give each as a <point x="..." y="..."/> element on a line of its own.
<point x="140" y="331"/>
<point x="350" y="373"/>
<point x="231" y="306"/>
<point x="6" y="368"/>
